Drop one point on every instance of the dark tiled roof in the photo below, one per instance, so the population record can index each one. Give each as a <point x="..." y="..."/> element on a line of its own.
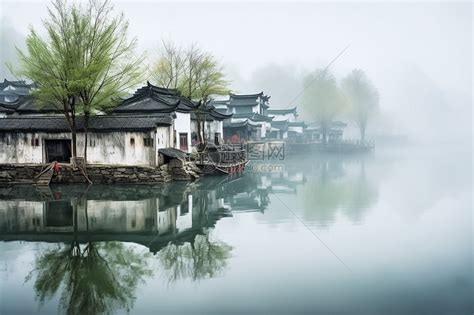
<point x="282" y="125"/>
<point x="297" y="124"/>
<point x="155" y="99"/>
<point x="281" y="111"/>
<point x="173" y="153"/>
<point x="97" y="123"/>
<point x="239" y="124"/>
<point x="253" y="116"/>
<point x="27" y="105"/>
<point x="4" y="109"/>
<point x="20" y="83"/>
<point x="253" y="96"/>
<point x="228" y="124"/>
<point x="221" y="102"/>
<point x="248" y="100"/>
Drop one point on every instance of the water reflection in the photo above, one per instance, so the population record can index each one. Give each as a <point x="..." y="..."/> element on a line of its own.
<point x="104" y="240"/>
<point x="94" y="278"/>
<point x="338" y="187"/>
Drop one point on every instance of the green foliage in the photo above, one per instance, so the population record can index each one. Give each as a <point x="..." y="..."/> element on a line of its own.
<point x="98" y="279"/>
<point x="322" y="97"/>
<point x="198" y="260"/>
<point x="363" y="98"/>
<point x="107" y="67"/>
<point x="51" y="63"/>
<point x="338" y="188"/>
<point x="196" y="74"/>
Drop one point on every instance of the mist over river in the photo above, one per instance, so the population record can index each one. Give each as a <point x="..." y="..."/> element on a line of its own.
<point x="388" y="232"/>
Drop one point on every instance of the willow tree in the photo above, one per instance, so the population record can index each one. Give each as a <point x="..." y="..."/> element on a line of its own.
<point x="84" y="63"/>
<point x="107" y="66"/>
<point x="323" y="99"/>
<point x="52" y="62"/>
<point x="363" y="98"/>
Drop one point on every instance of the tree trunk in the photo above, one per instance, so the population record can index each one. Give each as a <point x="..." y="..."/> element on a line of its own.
<point x="324" y="129"/>
<point x="199" y="134"/>
<point x="86" y="136"/>
<point x="72" y="103"/>
<point x="74" y="141"/>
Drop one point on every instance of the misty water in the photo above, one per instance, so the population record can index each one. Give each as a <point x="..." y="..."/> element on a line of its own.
<point x="388" y="232"/>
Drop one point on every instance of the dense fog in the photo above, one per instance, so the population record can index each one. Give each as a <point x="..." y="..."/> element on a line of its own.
<point x="417" y="55"/>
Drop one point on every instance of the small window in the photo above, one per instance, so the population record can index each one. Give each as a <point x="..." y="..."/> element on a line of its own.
<point x="35" y="142"/>
<point x="148" y="142"/>
<point x="132" y="141"/>
<point x="92" y="143"/>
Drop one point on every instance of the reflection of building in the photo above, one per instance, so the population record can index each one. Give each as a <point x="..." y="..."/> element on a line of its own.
<point x="144" y="214"/>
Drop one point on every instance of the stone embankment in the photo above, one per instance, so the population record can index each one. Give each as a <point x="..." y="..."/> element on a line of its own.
<point x="104" y="174"/>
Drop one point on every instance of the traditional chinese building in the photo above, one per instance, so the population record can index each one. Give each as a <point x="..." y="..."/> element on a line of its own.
<point x="153" y="118"/>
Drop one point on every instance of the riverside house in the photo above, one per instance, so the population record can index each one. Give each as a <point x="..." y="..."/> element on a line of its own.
<point x="153" y="118"/>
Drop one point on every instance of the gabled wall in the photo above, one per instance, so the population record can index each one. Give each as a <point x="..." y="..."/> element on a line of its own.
<point x="182" y="124"/>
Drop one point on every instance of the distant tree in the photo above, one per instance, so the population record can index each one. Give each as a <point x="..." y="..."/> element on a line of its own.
<point x="205" y="80"/>
<point x="363" y="98"/>
<point x="323" y="99"/>
<point x="196" y="74"/>
<point x="107" y="67"/>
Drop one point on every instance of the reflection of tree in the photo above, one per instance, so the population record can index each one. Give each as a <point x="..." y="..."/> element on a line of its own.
<point x="199" y="259"/>
<point x="99" y="278"/>
<point x="332" y="191"/>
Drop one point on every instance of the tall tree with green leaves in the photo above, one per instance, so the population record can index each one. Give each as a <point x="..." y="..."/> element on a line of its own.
<point x="323" y="99"/>
<point x="107" y="66"/>
<point x="85" y="64"/>
<point x="363" y="98"/>
<point x="52" y="62"/>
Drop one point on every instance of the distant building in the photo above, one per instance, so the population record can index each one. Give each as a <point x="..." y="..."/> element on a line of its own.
<point x="250" y="120"/>
<point x="314" y="133"/>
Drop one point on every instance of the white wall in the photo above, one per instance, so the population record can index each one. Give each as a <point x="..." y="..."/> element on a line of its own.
<point x="163" y="137"/>
<point x="182" y="124"/>
<point x="211" y="127"/>
<point x="107" y="147"/>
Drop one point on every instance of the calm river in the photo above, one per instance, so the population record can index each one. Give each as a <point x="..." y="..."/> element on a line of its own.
<point x="385" y="233"/>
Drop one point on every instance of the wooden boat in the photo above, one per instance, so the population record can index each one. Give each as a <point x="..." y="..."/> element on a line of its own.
<point x="220" y="160"/>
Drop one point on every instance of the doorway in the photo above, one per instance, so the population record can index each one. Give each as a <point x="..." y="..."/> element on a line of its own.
<point x="58" y="150"/>
<point x="183" y="141"/>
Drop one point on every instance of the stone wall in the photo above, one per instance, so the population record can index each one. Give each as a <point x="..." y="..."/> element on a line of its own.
<point x="105" y="174"/>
